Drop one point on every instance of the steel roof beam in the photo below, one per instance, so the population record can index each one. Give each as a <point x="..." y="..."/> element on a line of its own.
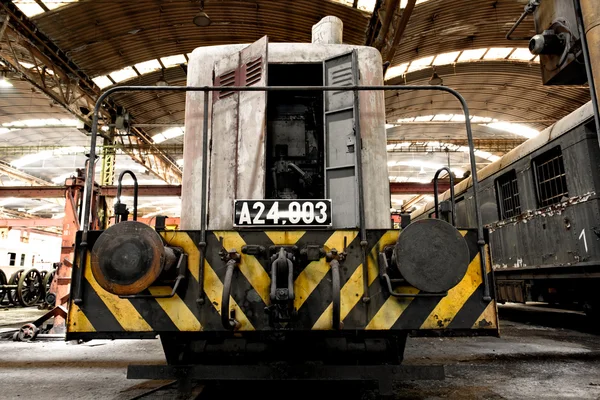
<point x="50" y="192"/>
<point x="70" y="87"/>
<point x="425" y="145"/>
<point x="417" y="188"/>
<point x="8" y="170"/>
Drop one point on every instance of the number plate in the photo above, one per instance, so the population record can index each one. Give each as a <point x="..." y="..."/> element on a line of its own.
<point x="280" y="213"/>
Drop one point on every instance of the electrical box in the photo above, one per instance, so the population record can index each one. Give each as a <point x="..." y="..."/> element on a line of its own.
<point x="558" y="43"/>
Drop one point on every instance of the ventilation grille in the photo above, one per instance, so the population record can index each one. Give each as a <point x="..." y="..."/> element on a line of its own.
<point x="254" y="71"/>
<point x="227" y="79"/>
<point x="507" y="192"/>
<point x="342" y="77"/>
<point x="550" y="177"/>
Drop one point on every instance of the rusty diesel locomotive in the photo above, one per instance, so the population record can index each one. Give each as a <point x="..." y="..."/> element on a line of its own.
<point x="285" y="252"/>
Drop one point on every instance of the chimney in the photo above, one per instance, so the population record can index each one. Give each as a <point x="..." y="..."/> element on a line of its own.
<point x="328" y="31"/>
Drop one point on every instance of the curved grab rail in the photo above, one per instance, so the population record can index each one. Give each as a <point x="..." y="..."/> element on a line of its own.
<point x="135" y="193"/>
<point x="435" y="193"/>
<point x="77" y="297"/>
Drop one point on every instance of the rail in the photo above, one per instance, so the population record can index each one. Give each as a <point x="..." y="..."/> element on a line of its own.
<point x="77" y="298"/>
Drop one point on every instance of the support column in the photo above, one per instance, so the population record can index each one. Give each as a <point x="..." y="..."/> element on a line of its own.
<point x="590" y="10"/>
<point x="107" y="178"/>
<point x="62" y="281"/>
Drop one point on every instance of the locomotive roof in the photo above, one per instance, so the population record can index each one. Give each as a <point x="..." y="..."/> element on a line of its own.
<point x="561" y="127"/>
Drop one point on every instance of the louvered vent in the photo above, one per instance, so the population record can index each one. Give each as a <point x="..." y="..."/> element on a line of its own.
<point x="227" y="79"/>
<point x="342" y="77"/>
<point x="253" y="72"/>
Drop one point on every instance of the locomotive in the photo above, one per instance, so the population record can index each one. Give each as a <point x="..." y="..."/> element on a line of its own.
<point x="285" y="252"/>
<point x="539" y="203"/>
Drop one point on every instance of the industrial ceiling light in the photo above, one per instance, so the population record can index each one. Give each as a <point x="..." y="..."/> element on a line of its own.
<point x="161" y="81"/>
<point x="435" y="79"/>
<point x="202" y="19"/>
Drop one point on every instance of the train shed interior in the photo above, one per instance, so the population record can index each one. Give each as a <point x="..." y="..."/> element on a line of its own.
<point x="517" y="175"/>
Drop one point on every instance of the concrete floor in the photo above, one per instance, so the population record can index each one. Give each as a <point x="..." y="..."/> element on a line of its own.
<point x="536" y="357"/>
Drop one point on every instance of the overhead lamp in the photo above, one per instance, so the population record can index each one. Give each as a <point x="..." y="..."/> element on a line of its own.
<point x="202" y="19"/>
<point x="435" y="79"/>
<point x="161" y="81"/>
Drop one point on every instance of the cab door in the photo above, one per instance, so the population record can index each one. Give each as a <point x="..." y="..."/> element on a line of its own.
<point x="238" y="129"/>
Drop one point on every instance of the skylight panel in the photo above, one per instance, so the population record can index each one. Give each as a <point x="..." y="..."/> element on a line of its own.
<point x="36" y="123"/>
<point x="102" y="81"/>
<point x="173" y="60"/>
<point x="424" y="118"/>
<point x="123" y="74"/>
<point x="443" y="117"/>
<point x="168" y="134"/>
<point x="496" y="53"/>
<point x="521" y="54"/>
<point x="420" y="63"/>
<point x="395" y="71"/>
<point x="54" y="4"/>
<point x="445" y="58"/>
<point x="470" y="55"/>
<point x="148" y="66"/>
<point x="44" y="155"/>
<point x="29" y="7"/>
<point x="478" y="120"/>
<point x="158" y="138"/>
<point x="172" y="133"/>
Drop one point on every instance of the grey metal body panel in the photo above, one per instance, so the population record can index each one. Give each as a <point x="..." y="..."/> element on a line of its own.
<point x="340" y="140"/>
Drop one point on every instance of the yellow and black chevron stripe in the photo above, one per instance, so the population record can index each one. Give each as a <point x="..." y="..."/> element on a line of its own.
<point x="105" y="315"/>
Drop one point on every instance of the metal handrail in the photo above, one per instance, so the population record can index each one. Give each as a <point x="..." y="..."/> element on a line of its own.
<point x="77" y="298"/>
<point x="135" y="192"/>
<point x="436" y="194"/>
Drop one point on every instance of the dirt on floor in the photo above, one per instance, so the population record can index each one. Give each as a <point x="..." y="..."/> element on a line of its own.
<point x="541" y="354"/>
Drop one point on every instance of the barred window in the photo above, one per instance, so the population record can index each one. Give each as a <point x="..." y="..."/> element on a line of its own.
<point x="550" y="177"/>
<point x="507" y="195"/>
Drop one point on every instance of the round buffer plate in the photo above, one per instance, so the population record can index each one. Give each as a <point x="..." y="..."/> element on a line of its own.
<point x="127" y="258"/>
<point x="432" y="255"/>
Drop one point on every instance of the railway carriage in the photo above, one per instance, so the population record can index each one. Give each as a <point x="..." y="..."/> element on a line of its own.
<point x="540" y="204"/>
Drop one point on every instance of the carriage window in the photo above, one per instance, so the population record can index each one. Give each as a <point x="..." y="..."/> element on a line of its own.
<point x="22" y="260"/>
<point x="507" y="196"/>
<point x="550" y="177"/>
<point x="12" y="258"/>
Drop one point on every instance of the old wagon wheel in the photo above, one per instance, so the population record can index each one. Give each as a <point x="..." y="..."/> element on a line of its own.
<point x="30" y="288"/>
<point x="14" y="280"/>
<point x="47" y="281"/>
<point x="3" y="281"/>
<point x="27" y="333"/>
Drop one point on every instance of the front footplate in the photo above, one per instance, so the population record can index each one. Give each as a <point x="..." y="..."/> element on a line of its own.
<point x="385" y="375"/>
